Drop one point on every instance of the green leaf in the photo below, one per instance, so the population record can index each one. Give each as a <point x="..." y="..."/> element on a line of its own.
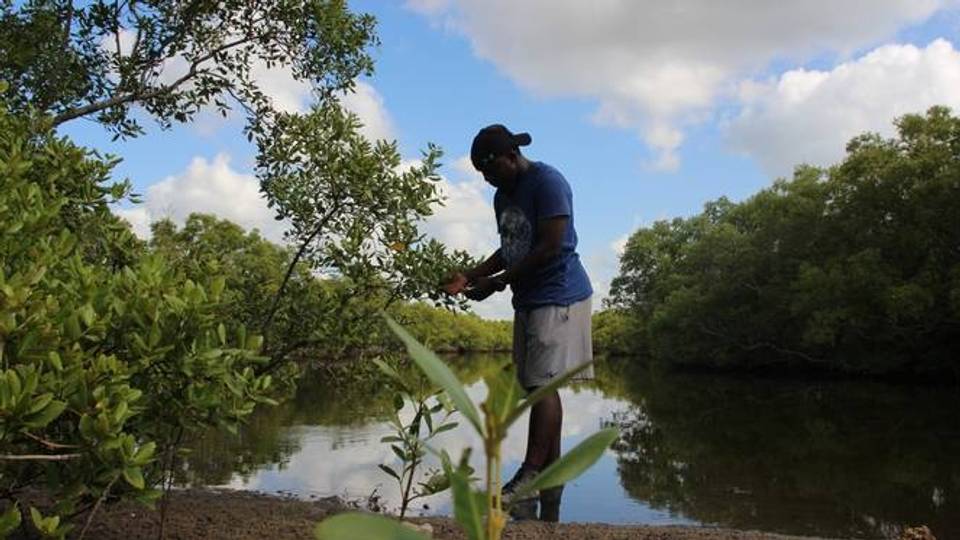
<point x="468" y="505"/>
<point x="50" y="525"/>
<point x="148" y="497"/>
<point x="571" y="464"/>
<point x="55" y="361"/>
<point x="15" y="385"/>
<point x="72" y="326"/>
<point x="154" y="338"/>
<point x="40" y="402"/>
<point x="446" y="427"/>
<point x="120" y="412"/>
<point x="44" y="525"/>
<point x="216" y="287"/>
<point x="145" y="453"/>
<point x="439" y="374"/>
<point x="6" y="397"/>
<point x="435" y="484"/>
<point x="47" y="415"/>
<point x="134" y="477"/>
<point x="428" y="418"/>
<point x="503" y="396"/>
<point x="10" y="520"/>
<point x="30" y="381"/>
<point x="544" y="390"/>
<point x="352" y="526"/>
<point x="87" y="428"/>
<point x="222" y="334"/>
<point x="87" y="315"/>
<point x="388" y="370"/>
<point x="390" y="471"/>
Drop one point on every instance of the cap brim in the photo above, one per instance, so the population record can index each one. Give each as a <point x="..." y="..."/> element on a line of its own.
<point x="522" y="139"/>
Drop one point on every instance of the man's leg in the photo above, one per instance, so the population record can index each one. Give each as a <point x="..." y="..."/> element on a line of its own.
<point x="543" y="435"/>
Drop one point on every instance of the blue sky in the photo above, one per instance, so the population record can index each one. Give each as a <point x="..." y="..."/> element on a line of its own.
<point x="649" y="108"/>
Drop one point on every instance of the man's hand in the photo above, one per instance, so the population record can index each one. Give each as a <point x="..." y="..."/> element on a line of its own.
<point x="455" y="284"/>
<point x="482" y="288"/>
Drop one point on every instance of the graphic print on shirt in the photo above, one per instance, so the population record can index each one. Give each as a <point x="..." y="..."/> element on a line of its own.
<point x="516" y="236"/>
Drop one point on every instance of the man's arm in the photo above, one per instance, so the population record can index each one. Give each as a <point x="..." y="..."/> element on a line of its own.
<point x="550" y="234"/>
<point x="460" y="280"/>
<point x="492" y="265"/>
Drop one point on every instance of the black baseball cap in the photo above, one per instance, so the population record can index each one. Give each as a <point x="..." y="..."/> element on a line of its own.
<point x="493" y="141"/>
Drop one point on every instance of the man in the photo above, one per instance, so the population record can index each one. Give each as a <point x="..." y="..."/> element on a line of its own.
<point x="551" y="291"/>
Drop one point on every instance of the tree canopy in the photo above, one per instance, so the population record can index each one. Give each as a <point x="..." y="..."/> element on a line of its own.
<point x="852" y="268"/>
<point x="99" y="59"/>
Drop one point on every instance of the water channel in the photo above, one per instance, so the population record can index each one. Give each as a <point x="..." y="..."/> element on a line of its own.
<point x="827" y="458"/>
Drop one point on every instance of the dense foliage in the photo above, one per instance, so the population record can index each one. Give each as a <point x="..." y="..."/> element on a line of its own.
<point x="253" y="269"/>
<point x="852" y="268"/>
<point x="448" y="331"/>
<point x="353" y="211"/>
<point x="613" y="332"/>
<point x="114" y="353"/>
<point x="98" y="59"/>
<point x="108" y="355"/>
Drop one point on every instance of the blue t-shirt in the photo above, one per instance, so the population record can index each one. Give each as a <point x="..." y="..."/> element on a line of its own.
<point x="541" y="193"/>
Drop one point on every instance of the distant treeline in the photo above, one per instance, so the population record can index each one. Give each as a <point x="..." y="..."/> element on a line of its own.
<point x="254" y="267"/>
<point x="853" y="268"/>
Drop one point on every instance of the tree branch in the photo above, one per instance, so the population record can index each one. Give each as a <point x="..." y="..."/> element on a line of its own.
<point x="116" y="30"/>
<point x="96" y="506"/>
<point x="760" y="345"/>
<point x="67" y="25"/>
<point x="139" y="22"/>
<point x="265" y="327"/>
<point x="49" y="444"/>
<point x="39" y="457"/>
<point x="114" y="101"/>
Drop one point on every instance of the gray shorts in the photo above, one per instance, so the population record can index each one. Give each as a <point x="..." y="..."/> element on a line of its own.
<point x="551" y="340"/>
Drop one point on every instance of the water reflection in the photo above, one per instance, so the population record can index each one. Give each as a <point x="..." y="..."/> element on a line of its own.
<point x="832" y="459"/>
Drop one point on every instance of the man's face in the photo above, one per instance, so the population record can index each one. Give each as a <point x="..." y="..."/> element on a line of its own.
<point x="502" y="171"/>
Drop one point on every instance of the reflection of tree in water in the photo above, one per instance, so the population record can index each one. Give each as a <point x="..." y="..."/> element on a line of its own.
<point x="219" y="456"/>
<point x="335" y="394"/>
<point x="827" y="458"/>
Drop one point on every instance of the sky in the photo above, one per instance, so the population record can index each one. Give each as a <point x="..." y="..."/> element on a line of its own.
<point x="649" y="108"/>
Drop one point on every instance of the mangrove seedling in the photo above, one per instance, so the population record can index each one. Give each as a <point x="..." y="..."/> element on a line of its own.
<point x="480" y="511"/>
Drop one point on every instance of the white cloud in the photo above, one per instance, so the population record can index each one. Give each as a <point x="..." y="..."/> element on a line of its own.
<point x="138" y="217"/>
<point x="211" y="187"/>
<point x="427" y="7"/>
<point x="466" y="220"/>
<point x="293" y="96"/>
<point x="619" y="245"/>
<point x="808" y="116"/>
<point x="288" y="94"/>
<point x="499" y="306"/>
<point x="655" y="66"/>
<point x="369" y="106"/>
